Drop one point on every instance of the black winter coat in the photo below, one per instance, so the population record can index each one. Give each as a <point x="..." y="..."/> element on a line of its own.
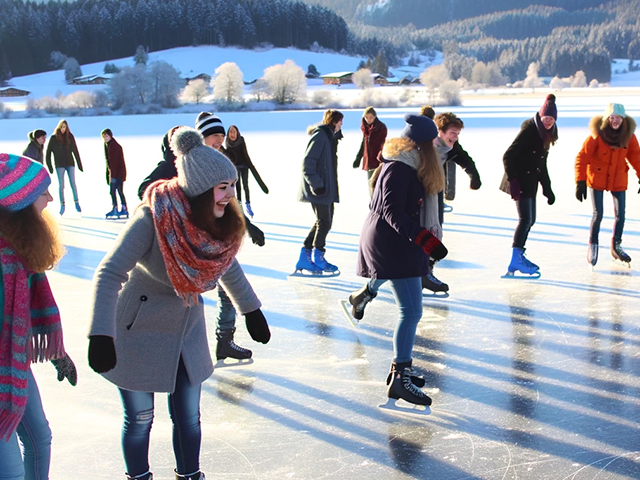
<point x="387" y="249"/>
<point x="34" y="150"/>
<point x="526" y="160"/>
<point x="166" y="169"/>
<point x="320" y="167"/>
<point x="63" y="155"/>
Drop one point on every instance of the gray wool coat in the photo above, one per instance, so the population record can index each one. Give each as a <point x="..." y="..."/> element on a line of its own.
<point x="148" y="321"/>
<point x="319" y="168"/>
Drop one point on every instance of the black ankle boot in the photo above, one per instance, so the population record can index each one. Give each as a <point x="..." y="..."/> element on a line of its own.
<point x="401" y="386"/>
<point x="194" y="476"/>
<point x="359" y="300"/>
<point x="227" y="347"/>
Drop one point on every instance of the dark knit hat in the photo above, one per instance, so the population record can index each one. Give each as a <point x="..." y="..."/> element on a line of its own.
<point x="549" y="108"/>
<point x="199" y="167"/>
<point x="22" y="181"/>
<point x="419" y="128"/>
<point x="208" y="124"/>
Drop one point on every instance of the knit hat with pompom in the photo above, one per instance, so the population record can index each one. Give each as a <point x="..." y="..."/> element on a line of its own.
<point x="199" y="167"/>
<point x="549" y="108"/>
<point x="22" y="181"/>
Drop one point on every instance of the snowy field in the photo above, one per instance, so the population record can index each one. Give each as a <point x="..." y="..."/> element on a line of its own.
<point x="530" y="378"/>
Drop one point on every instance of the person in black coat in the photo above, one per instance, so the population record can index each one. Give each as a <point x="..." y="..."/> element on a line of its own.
<point x="319" y="187"/>
<point x="35" y="149"/>
<point x="525" y="166"/>
<point x="236" y="150"/>
<point x="62" y="145"/>
<point x="395" y="247"/>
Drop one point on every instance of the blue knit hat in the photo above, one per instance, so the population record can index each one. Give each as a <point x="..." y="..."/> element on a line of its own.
<point x="419" y="128"/>
<point x="614" y="109"/>
<point x="22" y="181"/>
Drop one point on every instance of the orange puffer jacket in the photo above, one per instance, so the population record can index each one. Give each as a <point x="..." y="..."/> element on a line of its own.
<point x="605" y="167"/>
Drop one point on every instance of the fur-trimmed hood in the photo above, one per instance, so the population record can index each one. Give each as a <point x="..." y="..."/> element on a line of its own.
<point x="401" y="150"/>
<point x="628" y="127"/>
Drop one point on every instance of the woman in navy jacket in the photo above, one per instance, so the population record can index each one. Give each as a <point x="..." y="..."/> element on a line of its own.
<point x="395" y="248"/>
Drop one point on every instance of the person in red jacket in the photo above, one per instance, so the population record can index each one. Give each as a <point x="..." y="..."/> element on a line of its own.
<point x="374" y="134"/>
<point x="116" y="174"/>
<point x="603" y="164"/>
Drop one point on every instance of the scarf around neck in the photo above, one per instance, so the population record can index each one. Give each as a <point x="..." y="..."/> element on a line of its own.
<point x="31" y="332"/>
<point x="195" y="261"/>
<point x="611" y="137"/>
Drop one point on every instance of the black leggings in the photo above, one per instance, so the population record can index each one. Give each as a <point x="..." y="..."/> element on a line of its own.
<point x="117" y="185"/>
<point x="243" y="183"/>
<point x="527" y="217"/>
<point x="318" y="234"/>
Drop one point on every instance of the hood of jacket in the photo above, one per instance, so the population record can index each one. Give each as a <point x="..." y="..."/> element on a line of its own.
<point x="32" y="138"/>
<point x="401" y="150"/>
<point x="628" y="128"/>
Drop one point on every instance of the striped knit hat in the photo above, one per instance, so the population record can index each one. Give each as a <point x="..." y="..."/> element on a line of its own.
<point x="22" y="181"/>
<point x="207" y="124"/>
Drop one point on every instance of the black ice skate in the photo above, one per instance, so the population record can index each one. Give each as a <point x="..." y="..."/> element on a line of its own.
<point x="592" y="255"/>
<point x="227" y="348"/>
<point x="437" y="287"/>
<point x="401" y="387"/>
<point x="417" y="380"/>
<point x="358" y="301"/>
<point x="619" y="254"/>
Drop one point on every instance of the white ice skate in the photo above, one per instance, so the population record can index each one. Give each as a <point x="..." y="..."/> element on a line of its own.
<point x="405" y="408"/>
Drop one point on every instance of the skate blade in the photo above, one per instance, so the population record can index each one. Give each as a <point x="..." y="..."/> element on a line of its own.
<point x="346" y="306"/>
<point x="520" y="276"/>
<point x="302" y="274"/>
<point x="232" y="362"/>
<point x="401" y="406"/>
<point x="448" y="209"/>
<point x="617" y="261"/>
<point x="430" y="294"/>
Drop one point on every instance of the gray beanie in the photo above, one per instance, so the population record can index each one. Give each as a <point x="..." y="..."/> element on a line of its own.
<point x="199" y="167"/>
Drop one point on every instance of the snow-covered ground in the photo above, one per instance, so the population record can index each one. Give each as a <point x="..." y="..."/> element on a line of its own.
<point x="530" y="379"/>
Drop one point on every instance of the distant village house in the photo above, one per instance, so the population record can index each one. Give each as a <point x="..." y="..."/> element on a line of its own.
<point x="339" y="78"/>
<point x="92" y="79"/>
<point x="13" y="92"/>
<point x="202" y="76"/>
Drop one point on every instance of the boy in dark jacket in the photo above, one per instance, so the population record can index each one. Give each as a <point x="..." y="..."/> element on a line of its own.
<point x="35" y="149"/>
<point x="116" y="174"/>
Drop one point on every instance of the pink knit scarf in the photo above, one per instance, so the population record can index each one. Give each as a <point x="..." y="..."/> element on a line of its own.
<point x="31" y="332"/>
<point x="195" y="261"/>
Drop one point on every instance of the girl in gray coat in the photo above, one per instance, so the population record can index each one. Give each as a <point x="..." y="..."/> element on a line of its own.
<point x="319" y="187"/>
<point x="150" y="334"/>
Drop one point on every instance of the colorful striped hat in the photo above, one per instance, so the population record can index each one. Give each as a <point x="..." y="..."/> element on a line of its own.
<point x="22" y="181"/>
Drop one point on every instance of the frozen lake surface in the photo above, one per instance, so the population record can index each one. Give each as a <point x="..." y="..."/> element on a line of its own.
<point x="531" y="379"/>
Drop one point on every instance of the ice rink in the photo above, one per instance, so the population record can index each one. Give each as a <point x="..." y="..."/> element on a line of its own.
<point x="530" y="379"/>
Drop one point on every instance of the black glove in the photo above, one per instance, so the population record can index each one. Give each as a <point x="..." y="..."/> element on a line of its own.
<point x="66" y="369"/>
<point x="551" y="198"/>
<point x="102" y="353"/>
<point x="257" y="326"/>
<point x="581" y="190"/>
<point x="639" y="188"/>
<point x="356" y="163"/>
<point x="475" y="182"/>
<point x="431" y="245"/>
<point x="257" y="235"/>
<point x="319" y="191"/>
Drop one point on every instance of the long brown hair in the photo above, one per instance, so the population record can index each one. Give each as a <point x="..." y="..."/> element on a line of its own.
<point x="331" y="117"/>
<point x="229" y="227"/>
<point x="430" y="171"/>
<point x="33" y="236"/>
<point x="63" y="138"/>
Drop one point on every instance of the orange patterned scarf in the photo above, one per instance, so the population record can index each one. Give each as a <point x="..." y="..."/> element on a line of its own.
<point x="195" y="261"/>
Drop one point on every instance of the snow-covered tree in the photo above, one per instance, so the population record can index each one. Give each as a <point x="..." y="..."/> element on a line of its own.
<point x="110" y="68"/>
<point x="57" y="60"/>
<point x="579" y="80"/>
<point x="260" y="90"/>
<point x="286" y="82"/>
<point x="532" y="80"/>
<point x="449" y="93"/>
<point x="432" y="78"/>
<point x="195" y="91"/>
<point x="71" y="69"/>
<point x="556" y="83"/>
<point x="322" y="98"/>
<point x="228" y="84"/>
<point x="312" y="71"/>
<point x="79" y="99"/>
<point x="141" y="56"/>
<point x="133" y="85"/>
<point x="167" y="83"/>
<point x="362" y="78"/>
<point x="594" y="83"/>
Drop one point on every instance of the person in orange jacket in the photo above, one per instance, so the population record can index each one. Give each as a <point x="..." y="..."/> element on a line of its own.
<point x="603" y="164"/>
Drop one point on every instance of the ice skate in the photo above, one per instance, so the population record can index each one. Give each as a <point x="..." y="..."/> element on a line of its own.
<point x="437" y="287"/>
<point x="321" y="261"/>
<point x="417" y="380"/>
<point x="519" y="263"/>
<point x="247" y="207"/>
<point x="592" y="255"/>
<point x="123" y="213"/>
<point x="308" y="269"/>
<point x="62" y="209"/>
<point x="619" y="254"/>
<point x="404" y="396"/>
<point x="112" y="215"/>
<point x="144" y="476"/>
<point x="358" y="300"/>
<point x="227" y="348"/>
<point x="447" y="208"/>
<point x="194" y="476"/>
<point x="78" y="209"/>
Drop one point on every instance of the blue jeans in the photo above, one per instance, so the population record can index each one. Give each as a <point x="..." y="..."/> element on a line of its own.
<point x="226" y="318"/>
<point x="184" y="409"/>
<point x="71" y="172"/>
<point x="527" y="217"/>
<point x="35" y="435"/>
<point x="619" y="202"/>
<point x="408" y="295"/>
